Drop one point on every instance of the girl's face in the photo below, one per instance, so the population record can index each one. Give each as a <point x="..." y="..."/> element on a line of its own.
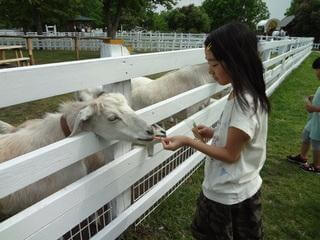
<point x="216" y="69"/>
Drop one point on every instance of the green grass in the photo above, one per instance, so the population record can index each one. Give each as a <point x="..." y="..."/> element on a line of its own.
<point x="291" y="197"/>
<point x="45" y="56"/>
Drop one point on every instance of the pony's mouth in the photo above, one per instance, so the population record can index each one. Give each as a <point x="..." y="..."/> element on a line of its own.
<point x="157" y="132"/>
<point x="145" y="139"/>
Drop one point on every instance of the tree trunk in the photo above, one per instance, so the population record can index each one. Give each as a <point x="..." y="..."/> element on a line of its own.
<point x="107" y="15"/>
<point x="110" y="31"/>
<point x="39" y="25"/>
<point x="112" y="22"/>
<point x="37" y="20"/>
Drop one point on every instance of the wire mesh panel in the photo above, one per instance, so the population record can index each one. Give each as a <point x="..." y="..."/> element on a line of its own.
<point x="157" y="174"/>
<point x="91" y="225"/>
<point x="176" y="186"/>
<point x="141" y="187"/>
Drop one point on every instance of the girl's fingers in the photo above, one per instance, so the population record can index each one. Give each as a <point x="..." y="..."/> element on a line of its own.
<point x="201" y="127"/>
<point x="165" y="142"/>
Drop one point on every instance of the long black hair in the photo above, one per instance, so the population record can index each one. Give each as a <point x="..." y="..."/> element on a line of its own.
<point x="236" y="47"/>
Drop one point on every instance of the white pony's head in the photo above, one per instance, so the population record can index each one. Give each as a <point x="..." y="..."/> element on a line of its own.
<point x="110" y="117"/>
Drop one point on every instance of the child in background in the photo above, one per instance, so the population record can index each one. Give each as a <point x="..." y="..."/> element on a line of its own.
<point x="311" y="132"/>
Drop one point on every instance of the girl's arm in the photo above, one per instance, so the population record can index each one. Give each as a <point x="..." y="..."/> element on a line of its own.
<point x="230" y="153"/>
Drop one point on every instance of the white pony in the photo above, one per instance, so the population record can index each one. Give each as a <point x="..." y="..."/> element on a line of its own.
<point x="92" y="93"/>
<point x="172" y="84"/>
<point x="146" y="92"/>
<point x="109" y="116"/>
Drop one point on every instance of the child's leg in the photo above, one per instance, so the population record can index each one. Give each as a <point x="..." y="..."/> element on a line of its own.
<point x="212" y="220"/>
<point x="247" y="219"/>
<point x="316" y="153"/>
<point x="305" y="146"/>
<point x="315" y="166"/>
<point x="302" y="158"/>
<point x="316" y="159"/>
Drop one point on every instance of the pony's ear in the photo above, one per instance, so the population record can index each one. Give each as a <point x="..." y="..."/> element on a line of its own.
<point x="82" y="116"/>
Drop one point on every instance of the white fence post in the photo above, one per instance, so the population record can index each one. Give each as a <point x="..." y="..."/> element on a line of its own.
<point x="115" y="48"/>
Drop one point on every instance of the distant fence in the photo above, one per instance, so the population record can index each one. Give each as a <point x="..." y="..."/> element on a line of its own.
<point x="316" y="46"/>
<point x="134" y="181"/>
<point x="141" y="41"/>
<point x="153" y="42"/>
<point x="162" y="41"/>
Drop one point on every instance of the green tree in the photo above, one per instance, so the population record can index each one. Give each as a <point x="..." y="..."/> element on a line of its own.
<point x="143" y="17"/>
<point x="307" y="18"/>
<point x="33" y="14"/>
<point x="188" y="19"/>
<point x="92" y="9"/>
<point x="114" y="11"/>
<point x="158" y="22"/>
<point x="247" y="11"/>
<point x="293" y="7"/>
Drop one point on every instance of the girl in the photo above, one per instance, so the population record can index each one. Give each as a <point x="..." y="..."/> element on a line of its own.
<point x="229" y="206"/>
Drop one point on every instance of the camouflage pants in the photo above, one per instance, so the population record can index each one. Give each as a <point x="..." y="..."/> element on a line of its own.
<point x="216" y="221"/>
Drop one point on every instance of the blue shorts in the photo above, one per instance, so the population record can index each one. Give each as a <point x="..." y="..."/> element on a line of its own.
<point x="307" y="140"/>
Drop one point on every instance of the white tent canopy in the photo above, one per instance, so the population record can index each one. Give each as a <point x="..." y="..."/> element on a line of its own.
<point x="268" y="25"/>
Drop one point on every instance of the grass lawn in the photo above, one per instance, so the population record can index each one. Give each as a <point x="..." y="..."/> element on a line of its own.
<point x="291" y="197"/>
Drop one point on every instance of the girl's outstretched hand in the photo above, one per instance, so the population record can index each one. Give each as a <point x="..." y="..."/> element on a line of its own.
<point x="173" y="143"/>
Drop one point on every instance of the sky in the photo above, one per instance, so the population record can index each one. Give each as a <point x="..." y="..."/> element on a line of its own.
<point x="277" y="8"/>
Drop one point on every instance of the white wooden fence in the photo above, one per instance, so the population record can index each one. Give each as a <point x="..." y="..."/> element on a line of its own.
<point x="316" y="46"/>
<point x="138" y="40"/>
<point x="142" y="41"/>
<point x="57" y="214"/>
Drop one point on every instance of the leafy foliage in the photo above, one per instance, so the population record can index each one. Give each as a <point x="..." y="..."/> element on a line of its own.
<point x="293" y="7"/>
<point x="33" y="14"/>
<point x="221" y="11"/>
<point x="188" y="19"/>
<point x="92" y="9"/>
<point x="114" y="11"/>
<point x="307" y="18"/>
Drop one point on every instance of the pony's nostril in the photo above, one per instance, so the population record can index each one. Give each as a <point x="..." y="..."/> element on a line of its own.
<point x="150" y="131"/>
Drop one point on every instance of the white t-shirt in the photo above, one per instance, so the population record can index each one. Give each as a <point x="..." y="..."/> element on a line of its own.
<point x="233" y="183"/>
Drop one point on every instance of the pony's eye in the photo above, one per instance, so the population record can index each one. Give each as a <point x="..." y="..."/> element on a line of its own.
<point x="113" y="118"/>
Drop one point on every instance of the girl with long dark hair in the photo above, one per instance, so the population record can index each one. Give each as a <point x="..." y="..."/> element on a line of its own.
<point x="229" y="205"/>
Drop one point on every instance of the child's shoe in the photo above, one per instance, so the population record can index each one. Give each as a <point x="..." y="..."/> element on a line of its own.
<point x="297" y="159"/>
<point x="310" y="168"/>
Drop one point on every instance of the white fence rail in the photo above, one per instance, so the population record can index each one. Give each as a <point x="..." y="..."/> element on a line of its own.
<point x="57" y="214"/>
